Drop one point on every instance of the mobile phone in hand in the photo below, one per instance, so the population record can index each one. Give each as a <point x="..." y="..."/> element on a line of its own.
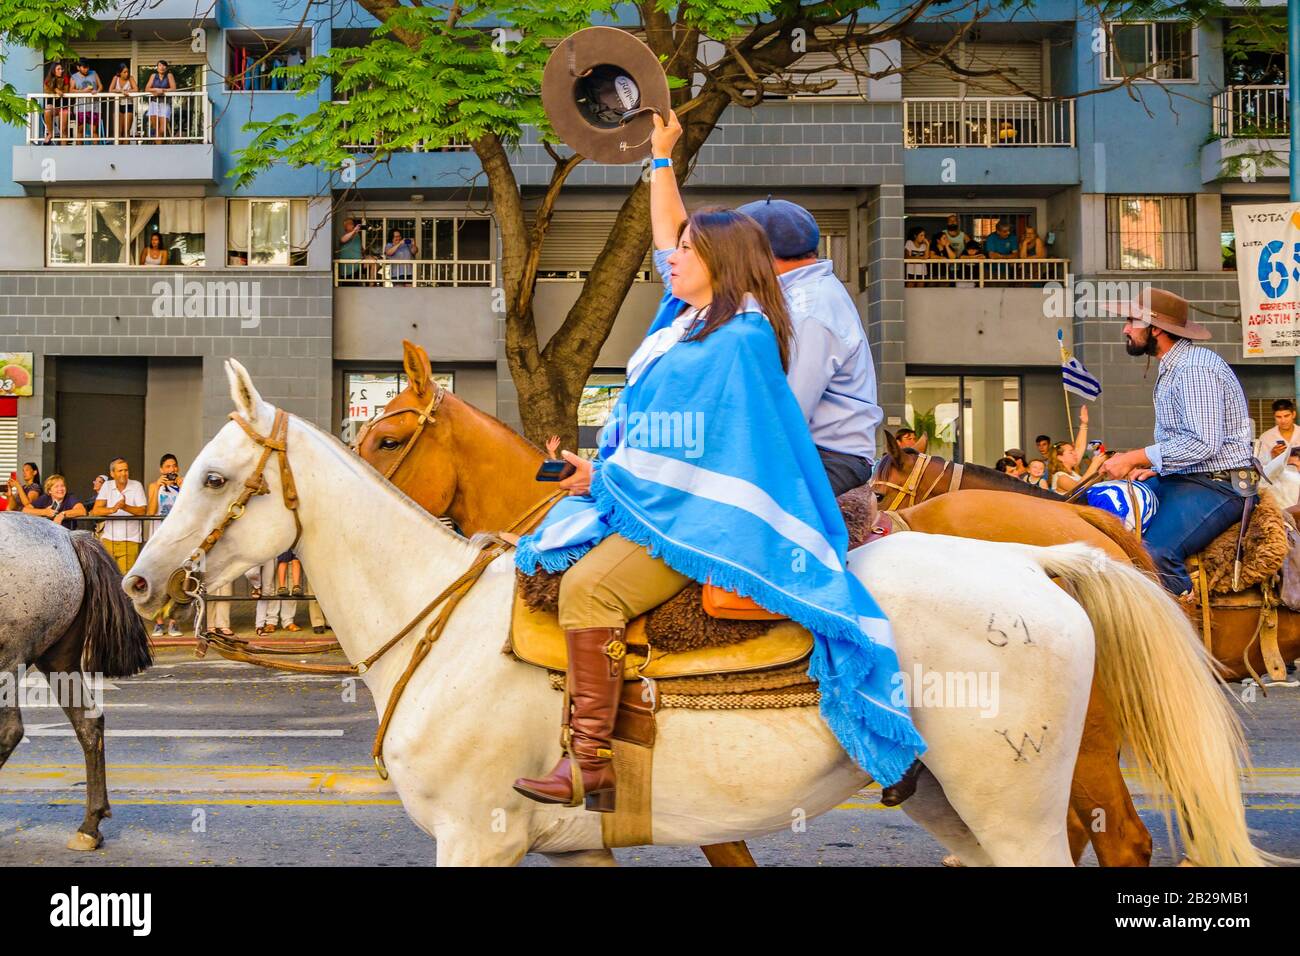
<point x="555" y="469"/>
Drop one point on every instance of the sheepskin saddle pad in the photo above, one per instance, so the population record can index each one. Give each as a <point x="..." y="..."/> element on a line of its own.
<point x="678" y="639"/>
<point x="1263" y="552"/>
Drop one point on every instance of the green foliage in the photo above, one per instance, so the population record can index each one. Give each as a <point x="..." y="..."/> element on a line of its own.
<point x="49" y="26"/>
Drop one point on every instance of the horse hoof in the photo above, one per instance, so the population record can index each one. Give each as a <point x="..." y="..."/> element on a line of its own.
<point x="85" y="841"/>
<point x="952" y="860"/>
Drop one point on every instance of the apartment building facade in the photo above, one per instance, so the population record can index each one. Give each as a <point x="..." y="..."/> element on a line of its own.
<point x="128" y="354"/>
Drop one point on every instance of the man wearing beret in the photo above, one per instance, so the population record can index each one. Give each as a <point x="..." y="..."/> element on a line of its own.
<point x="831" y="372"/>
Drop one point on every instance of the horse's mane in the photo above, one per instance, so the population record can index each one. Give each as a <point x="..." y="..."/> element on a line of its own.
<point x="1005" y="482"/>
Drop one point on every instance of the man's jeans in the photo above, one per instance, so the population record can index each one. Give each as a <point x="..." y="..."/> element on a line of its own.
<point x="845" y="471"/>
<point x="1193" y="512"/>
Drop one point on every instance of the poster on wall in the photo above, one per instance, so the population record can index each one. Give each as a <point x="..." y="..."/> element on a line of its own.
<point x="1268" y="278"/>
<point x="16" y="374"/>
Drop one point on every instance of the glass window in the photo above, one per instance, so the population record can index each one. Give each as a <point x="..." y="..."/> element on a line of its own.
<point x="67" y="232"/>
<point x="1154" y="51"/>
<point x="267" y="232"/>
<point x="96" y="232"/>
<point x="599" y="396"/>
<point x="971" y="418"/>
<point x="450" y="250"/>
<point x="253" y="57"/>
<point x="1150" y="232"/>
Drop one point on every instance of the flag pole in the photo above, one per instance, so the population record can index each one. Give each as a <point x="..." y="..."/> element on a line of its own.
<point x="1069" y="414"/>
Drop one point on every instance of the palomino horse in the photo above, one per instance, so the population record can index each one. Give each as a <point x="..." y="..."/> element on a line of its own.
<point x="457" y="461"/>
<point x="62" y="611"/>
<point x="914" y="477"/>
<point x="472" y="718"/>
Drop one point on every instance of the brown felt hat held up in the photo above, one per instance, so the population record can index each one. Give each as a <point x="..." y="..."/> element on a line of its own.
<point x="600" y="89"/>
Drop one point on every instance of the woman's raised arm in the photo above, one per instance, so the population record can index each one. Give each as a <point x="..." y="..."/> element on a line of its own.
<point x="667" y="211"/>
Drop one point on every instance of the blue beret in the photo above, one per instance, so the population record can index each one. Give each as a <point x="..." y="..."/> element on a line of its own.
<point x="790" y="228"/>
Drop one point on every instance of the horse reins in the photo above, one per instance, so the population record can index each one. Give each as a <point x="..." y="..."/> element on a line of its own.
<point x="908" y="489"/>
<point x="426" y="418"/>
<point x="190" y="573"/>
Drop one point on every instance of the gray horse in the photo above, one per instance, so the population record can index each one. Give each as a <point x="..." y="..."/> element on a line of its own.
<point x="63" y="612"/>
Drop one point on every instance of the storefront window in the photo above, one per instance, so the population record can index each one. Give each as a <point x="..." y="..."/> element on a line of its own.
<point x="599" y="396"/>
<point x="989" y="419"/>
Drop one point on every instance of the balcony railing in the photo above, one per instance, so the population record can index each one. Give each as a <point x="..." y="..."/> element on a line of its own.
<point x="90" y="119"/>
<point x="987" y="121"/>
<point x="414" y="273"/>
<point x="370" y="145"/>
<point x="1252" y="111"/>
<point x="972" y="273"/>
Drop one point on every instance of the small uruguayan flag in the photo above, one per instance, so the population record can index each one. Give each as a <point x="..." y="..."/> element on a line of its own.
<point x="1079" y="380"/>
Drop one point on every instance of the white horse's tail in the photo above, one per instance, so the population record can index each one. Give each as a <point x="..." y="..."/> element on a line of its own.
<point x="1163" y="691"/>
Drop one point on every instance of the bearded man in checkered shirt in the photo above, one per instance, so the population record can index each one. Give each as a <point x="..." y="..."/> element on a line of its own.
<point x="1201" y="464"/>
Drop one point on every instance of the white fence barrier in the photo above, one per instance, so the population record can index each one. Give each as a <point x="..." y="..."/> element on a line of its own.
<point x="119" y="118"/>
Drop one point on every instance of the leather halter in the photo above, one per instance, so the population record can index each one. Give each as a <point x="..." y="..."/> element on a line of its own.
<point x="186" y="582"/>
<point x="426" y="418"/>
<point x="908" y="489"/>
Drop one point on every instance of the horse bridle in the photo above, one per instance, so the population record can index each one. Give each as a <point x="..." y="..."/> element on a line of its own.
<point x="426" y="418"/>
<point x="186" y="583"/>
<point x="908" y="489"/>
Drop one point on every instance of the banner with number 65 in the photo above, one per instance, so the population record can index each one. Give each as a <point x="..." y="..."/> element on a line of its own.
<point x="1268" y="277"/>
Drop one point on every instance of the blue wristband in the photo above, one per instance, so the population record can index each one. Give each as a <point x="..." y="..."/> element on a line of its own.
<point x="661" y="162"/>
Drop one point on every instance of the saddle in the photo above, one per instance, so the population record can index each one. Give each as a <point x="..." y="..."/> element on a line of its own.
<point x="680" y="638"/>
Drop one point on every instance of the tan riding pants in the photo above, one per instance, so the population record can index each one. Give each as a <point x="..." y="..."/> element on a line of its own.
<point x="614" y="582"/>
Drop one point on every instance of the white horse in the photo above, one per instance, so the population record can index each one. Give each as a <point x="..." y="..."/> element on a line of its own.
<point x="473" y="719"/>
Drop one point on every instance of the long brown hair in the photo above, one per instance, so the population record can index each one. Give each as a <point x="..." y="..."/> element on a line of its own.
<point x="58" y="84"/>
<point x="735" y="250"/>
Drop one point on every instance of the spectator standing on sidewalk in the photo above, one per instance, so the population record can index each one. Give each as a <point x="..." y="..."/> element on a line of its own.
<point x="121" y="497"/>
<point x="162" y="495"/>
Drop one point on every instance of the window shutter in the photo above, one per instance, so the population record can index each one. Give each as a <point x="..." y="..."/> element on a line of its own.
<point x="1022" y="64"/>
<point x="575" y="239"/>
<point x="175" y="52"/>
<point x="829" y="66"/>
<point x="931" y="80"/>
<point x="8" y="445"/>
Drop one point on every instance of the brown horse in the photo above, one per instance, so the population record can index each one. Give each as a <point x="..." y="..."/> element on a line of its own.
<point x="906" y="477"/>
<point x="457" y="461"/>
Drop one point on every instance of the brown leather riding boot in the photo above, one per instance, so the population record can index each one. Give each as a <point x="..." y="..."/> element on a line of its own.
<point x="585" y="774"/>
<point x="896" y="793"/>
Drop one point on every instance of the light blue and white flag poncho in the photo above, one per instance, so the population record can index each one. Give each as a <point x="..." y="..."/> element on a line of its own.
<point x="707" y="461"/>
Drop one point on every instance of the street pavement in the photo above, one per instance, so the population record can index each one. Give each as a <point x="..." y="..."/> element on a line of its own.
<point x="216" y="763"/>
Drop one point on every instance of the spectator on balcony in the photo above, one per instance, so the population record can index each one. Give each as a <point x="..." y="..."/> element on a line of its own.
<point x="917" y="246"/>
<point x="403" y="250"/>
<point x="86" y="84"/>
<point x="94" y="488"/>
<point x="1001" y="244"/>
<point x="121" y="496"/>
<point x="956" y="235"/>
<point x="350" y="248"/>
<point x="161" y="83"/>
<point x="970" y="252"/>
<point x="56" y="86"/>
<point x="1032" y="245"/>
<point x="942" y="246"/>
<point x="56" y="504"/>
<point x="123" y="84"/>
<point x="154" y="254"/>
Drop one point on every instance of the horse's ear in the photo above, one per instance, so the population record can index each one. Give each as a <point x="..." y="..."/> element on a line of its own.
<point x="418" y="370"/>
<point x="248" y="402"/>
<point x="892" y="447"/>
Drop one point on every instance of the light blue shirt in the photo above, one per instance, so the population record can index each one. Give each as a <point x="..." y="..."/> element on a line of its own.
<point x="831" y="372"/>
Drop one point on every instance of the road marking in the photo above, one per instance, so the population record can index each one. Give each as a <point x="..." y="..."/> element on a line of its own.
<point x="200" y="802"/>
<point x="107" y="707"/>
<point x="286" y="679"/>
<point x="46" y="730"/>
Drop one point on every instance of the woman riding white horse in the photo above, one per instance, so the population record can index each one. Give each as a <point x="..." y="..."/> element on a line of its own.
<point x="728" y="488"/>
<point x="996" y="787"/>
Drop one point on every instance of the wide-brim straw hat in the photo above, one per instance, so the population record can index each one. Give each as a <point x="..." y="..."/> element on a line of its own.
<point x="1161" y="308"/>
<point x="600" y="89"/>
